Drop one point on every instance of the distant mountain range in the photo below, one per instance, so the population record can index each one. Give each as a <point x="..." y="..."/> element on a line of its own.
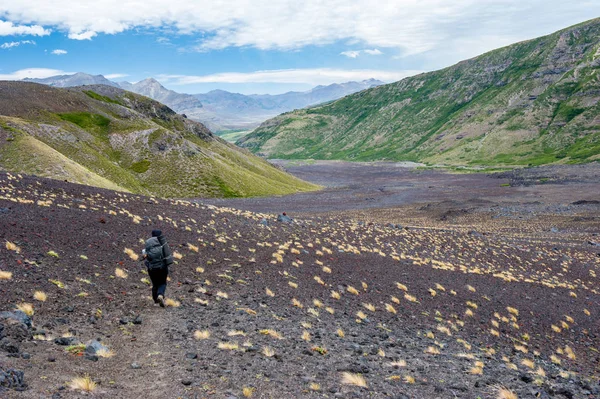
<point x="221" y="110"/>
<point x="534" y="102"/>
<point x="104" y="136"/>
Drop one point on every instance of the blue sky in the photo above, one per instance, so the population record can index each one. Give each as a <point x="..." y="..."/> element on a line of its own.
<point x="264" y="46"/>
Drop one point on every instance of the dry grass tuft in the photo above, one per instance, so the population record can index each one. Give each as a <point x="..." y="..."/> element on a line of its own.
<point x="409" y="379"/>
<point x="269" y="292"/>
<point x="340" y="333"/>
<point x="297" y="303"/>
<point x="528" y="363"/>
<point x="84" y="383"/>
<point x="105" y="353"/>
<point x="398" y="363"/>
<point x="390" y="308"/>
<point x="172" y="303"/>
<point x="512" y="311"/>
<point x="248" y="392"/>
<point x="5" y="275"/>
<point x="120" y="273"/>
<point x="268" y="352"/>
<point x="505" y="393"/>
<point x="271" y="333"/>
<point x="26" y="308"/>
<point x="335" y="295"/>
<point x="235" y="333"/>
<point x="314" y="386"/>
<point x="230" y="346"/>
<point x="369" y="306"/>
<point x="401" y="287"/>
<point x="354" y="379"/>
<point x="432" y="350"/>
<point x="352" y="290"/>
<point x="306" y="336"/>
<point x="40" y="296"/>
<point x="131" y="253"/>
<point x="199" y="335"/>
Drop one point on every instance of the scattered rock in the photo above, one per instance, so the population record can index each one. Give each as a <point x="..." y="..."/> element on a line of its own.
<point x="13" y="379"/>
<point x="65" y="341"/>
<point x="135" y="366"/>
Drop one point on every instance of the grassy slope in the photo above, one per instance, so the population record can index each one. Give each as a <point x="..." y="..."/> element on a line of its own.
<point x="533" y="102"/>
<point x="114" y="139"/>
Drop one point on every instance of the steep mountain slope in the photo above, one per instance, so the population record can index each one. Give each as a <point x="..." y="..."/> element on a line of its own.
<point x="78" y="79"/>
<point x="111" y="138"/>
<point x="533" y="102"/>
<point x="151" y="88"/>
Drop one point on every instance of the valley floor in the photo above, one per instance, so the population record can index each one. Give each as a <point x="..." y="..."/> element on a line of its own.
<point x="427" y="284"/>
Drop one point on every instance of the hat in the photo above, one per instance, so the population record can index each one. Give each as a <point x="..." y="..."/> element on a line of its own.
<point x="156" y="233"/>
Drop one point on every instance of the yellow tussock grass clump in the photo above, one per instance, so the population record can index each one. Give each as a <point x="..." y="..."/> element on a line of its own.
<point x="120" y="273"/>
<point x="26" y="308"/>
<point x="200" y="335"/>
<point x="228" y="346"/>
<point x="248" y="392"/>
<point x="335" y="295"/>
<point x="84" y="383"/>
<point x="268" y="352"/>
<point x="432" y="350"/>
<point x="505" y="393"/>
<point x="401" y="287"/>
<point x="352" y="290"/>
<point x="409" y="379"/>
<point x="354" y="379"/>
<point x="341" y="333"/>
<point x="512" y="311"/>
<point x="40" y="296"/>
<point x="390" y="308"/>
<point x="369" y="306"/>
<point x="269" y="292"/>
<point x="528" y="363"/>
<point x="172" y="303"/>
<point x="5" y="275"/>
<point x="131" y="253"/>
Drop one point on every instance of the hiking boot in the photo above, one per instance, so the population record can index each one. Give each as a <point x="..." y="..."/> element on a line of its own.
<point x="161" y="301"/>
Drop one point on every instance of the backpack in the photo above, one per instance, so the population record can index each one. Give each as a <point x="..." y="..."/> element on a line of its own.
<point x="154" y="253"/>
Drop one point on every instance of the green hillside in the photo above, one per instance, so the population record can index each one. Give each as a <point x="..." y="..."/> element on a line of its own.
<point x="111" y="138"/>
<point x="533" y="102"/>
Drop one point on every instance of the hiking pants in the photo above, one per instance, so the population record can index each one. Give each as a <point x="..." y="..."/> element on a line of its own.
<point x="159" y="281"/>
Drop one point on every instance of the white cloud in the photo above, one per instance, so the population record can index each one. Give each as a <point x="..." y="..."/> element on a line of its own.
<point x="33" y="73"/>
<point x="8" y="28"/>
<point x="313" y="76"/>
<point x="86" y="35"/>
<point x="409" y="26"/>
<point x="356" y="53"/>
<point x="115" y="75"/>
<point x="8" y="45"/>
<point x="373" y="52"/>
<point x="350" y="54"/>
<point x="59" y="52"/>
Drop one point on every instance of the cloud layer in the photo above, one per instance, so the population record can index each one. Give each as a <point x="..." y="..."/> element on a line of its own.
<point x="313" y="76"/>
<point x="33" y="73"/>
<point x="413" y="26"/>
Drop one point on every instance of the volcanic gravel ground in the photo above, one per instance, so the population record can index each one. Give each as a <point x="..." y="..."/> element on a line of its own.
<point x="419" y="312"/>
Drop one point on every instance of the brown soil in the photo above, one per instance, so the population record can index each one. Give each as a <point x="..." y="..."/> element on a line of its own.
<point x="464" y="264"/>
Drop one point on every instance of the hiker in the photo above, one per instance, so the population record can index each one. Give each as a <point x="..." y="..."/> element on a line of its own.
<point x="158" y="257"/>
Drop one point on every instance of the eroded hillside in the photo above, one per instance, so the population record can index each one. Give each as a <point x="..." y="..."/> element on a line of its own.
<point x="107" y="137"/>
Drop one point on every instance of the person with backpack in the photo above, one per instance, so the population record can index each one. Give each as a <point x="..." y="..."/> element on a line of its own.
<point x="158" y="257"/>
